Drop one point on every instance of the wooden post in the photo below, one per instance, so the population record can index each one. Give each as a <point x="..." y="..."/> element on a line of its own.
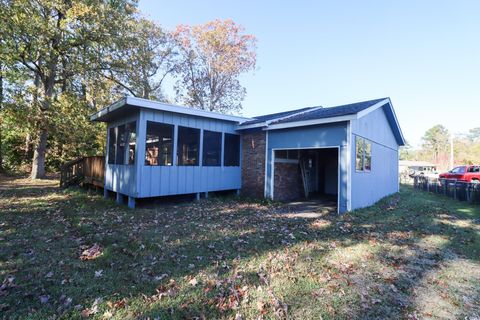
<point x="131" y="202"/>
<point x="119" y="198"/>
<point x="197" y="196"/>
<point x="455" y="190"/>
<point x="206" y="195"/>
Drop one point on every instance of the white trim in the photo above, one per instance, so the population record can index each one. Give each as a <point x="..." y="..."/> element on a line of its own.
<point x="310" y="148"/>
<point x="293" y="115"/>
<point x="372" y="108"/>
<point x="266" y="166"/>
<point x="310" y="122"/>
<point x="272" y="177"/>
<point x="396" y="121"/>
<point x="251" y="126"/>
<point x="155" y="105"/>
<point x="381" y="104"/>
<point x="268" y="122"/>
<point x="349" y="165"/>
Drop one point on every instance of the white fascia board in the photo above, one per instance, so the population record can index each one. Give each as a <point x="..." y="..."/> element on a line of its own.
<point x="267" y="123"/>
<point x="310" y="122"/>
<point x="106" y="110"/>
<point x="396" y="122"/>
<point x="252" y="126"/>
<point x="144" y="103"/>
<point x="149" y="104"/>
<point x="291" y="115"/>
<point x="379" y="105"/>
<point x="373" y="108"/>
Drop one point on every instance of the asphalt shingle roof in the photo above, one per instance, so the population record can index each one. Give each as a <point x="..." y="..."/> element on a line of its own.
<point x="313" y="113"/>
<point x="274" y="116"/>
<point x="330" y="112"/>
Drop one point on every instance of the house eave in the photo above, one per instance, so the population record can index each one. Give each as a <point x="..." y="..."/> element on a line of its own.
<point x="160" y="106"/>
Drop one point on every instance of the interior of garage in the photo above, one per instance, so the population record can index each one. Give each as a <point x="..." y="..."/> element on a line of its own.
<point x="306" y="174"/>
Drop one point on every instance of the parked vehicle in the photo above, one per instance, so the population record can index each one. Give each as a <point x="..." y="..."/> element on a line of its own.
<point x="463" y="173"/>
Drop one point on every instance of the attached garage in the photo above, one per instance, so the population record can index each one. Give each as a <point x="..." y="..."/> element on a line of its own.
<point x="347" y="154"/>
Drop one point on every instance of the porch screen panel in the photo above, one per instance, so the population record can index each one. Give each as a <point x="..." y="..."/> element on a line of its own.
<point x="132" y="141"/>
<point x="121" y="139"/>
<point x="231" y="156"/>
<point x="188" y="146"/>
<point x="159" y="144"/>
<point x="212" y="148"/>
<point x="112" y="143"/>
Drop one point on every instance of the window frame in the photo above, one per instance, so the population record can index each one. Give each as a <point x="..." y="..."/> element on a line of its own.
<point x="366" y="153"/>
<point x="162" y="158"/>
<point x="292" y="156"/>
<point x="180" y="159"/>
<point x="129" y="139"/>
<point x="206" y="144"/>
<point x="112" y="145"/>
<point x="226" y="154"/>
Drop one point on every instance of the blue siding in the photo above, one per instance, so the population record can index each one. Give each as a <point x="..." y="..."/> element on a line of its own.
<point x="382" y="180"/>
<point x="319" y="136"/>
<point x="121" y="178"/>
<point x="156" y="181"/>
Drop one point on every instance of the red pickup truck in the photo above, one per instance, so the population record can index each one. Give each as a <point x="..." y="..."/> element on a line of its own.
<point x="463" y="173"/>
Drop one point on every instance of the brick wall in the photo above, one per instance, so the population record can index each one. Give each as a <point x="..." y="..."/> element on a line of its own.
<point x="253" y="164"/>
<point x="288" y="182"/>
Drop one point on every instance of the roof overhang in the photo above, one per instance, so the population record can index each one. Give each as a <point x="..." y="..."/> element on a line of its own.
<point x="130" y="104"/>
<point x="391" y="117"/>
<point x="389" y="112"/>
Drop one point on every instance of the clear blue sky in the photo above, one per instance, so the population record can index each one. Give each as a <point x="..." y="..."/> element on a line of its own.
<point x="424" y="55"/>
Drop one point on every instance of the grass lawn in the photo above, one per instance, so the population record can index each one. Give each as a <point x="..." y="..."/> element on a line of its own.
<point x="71" y="254"/>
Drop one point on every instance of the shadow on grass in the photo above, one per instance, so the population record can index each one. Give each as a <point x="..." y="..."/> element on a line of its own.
<point x="143" y="249"/>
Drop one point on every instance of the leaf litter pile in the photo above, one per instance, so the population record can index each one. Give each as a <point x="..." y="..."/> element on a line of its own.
<point x="70" y="254"/>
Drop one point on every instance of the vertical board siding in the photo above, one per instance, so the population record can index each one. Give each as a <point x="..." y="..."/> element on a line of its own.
<point x="171" y="180"/>
<point x="122" y="178"/>
<point x="318" y="136"/>
<point x="382" y="180"/>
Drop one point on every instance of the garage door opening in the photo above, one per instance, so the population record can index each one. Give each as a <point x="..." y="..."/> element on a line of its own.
<point x="307" y="174"/>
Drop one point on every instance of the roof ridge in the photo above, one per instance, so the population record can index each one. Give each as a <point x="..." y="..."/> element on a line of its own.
<point x="305" y="110"/>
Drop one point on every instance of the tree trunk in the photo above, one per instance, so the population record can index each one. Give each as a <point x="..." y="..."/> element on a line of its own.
<point x="38" y="164"/>
<point x="1" y="122"/>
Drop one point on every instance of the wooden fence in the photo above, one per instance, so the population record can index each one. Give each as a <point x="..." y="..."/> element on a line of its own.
<point x="458" y="190"/>
<point x="86" y="170"/>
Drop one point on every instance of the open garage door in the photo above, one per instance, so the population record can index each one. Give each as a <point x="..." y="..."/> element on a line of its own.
<point x="307" y="174"/>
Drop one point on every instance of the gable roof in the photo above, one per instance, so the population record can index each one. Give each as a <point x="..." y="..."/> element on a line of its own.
<point x="323" y="113"/>
<point x="131" y="104"/>
<point x="319" y="115"/>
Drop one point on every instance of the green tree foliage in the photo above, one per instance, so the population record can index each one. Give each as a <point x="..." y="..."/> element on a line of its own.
<point x="211" y="59"/>
<point x="55" y="41"/>
<point x="62" y="60"/>
<point x="146" y="58"/>
<point x="436" y="142"/>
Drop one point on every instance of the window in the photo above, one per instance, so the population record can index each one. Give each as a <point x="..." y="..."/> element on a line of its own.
<point x="212" y="148"/>
<point x="159" y="144"/>
<point x="474" y="169"/>
<point x="282" y="155"/>
<point x="231" y="156"/>
<point x="132" y="141"/>
<point x="112" y="143"/>
<point x="121" y="138"/>
<point x="363" y="151"/>
<point x="458" y="170"/>
<point x="188" y="142"/>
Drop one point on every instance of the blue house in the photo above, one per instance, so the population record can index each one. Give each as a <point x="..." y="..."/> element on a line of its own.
<point x="348" y="153"/>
